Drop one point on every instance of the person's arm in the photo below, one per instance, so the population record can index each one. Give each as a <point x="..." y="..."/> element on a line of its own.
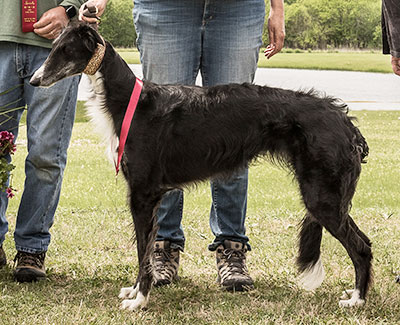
<point x="54" y="20"/>
<point x="276" y="28"/>
<point x="391" y="17"/>
<point x="99" y="4"/>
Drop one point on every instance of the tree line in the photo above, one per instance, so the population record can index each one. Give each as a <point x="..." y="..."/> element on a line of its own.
<point x="310" y="24"/>
<point x="322" y="24"/>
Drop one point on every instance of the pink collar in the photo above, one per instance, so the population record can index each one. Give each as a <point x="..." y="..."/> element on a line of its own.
<point x="130" y="111"/>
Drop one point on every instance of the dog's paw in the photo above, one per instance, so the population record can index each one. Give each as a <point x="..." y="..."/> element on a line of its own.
<point x="346" y="294"/>
<point x="353" y="301"/>
<point x="129" y="292"/>
<point x="135" y="304"/>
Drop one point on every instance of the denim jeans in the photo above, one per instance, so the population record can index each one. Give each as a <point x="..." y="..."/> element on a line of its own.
<point x="50" y="117"/>
<point x="221" y="39"/>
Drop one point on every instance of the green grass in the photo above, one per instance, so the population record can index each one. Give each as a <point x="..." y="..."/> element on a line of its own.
<point x="92" y="254"/>
<point x="351" y="61"/>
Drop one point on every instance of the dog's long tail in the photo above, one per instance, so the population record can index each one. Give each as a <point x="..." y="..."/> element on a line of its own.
<point x="361" y="144"/>
<point x="308" y="260"/>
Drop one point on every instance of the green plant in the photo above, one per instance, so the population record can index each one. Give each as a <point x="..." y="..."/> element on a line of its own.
<point x="7" y="145"/>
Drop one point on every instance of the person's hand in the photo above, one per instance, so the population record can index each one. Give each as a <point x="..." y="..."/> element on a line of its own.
<point x="51" y="24"/>
<point x="396" y="65"/>
<point x="276" y="31"/>
<point x="86" y="15"/>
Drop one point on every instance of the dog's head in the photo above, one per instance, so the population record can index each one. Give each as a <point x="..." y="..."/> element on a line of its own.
<point x="70" y="55"/>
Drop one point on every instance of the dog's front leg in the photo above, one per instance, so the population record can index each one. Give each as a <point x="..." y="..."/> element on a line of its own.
<point x="143" y="212"/>
<point x="137" y="297"/>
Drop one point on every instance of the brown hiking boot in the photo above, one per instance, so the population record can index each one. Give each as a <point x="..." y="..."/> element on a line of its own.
<point x="30" y="267"/>
<point x="165" y="263"/>
<point x="3" y="258"/>
<point x="231" y="263"/>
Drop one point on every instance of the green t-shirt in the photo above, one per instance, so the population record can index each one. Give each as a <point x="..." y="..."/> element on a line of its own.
<point x="10" y="20"/>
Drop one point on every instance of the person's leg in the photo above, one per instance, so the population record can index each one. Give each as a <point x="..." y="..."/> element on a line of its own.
<point x="232" y="40"/>
<point x="169" y="39"/>
<point x="169" y="42"/>
<point x="50" y="117"/>
<point x="228" y="210"/>
<point x="11" y="97"/>
<point x="232" y="37"/>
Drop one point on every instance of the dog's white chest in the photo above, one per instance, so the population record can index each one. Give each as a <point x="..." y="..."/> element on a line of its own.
<point x="96" y="109"/>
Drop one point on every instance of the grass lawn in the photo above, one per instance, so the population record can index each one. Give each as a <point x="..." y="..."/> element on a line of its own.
<point x="351" y="61"/>
<point x="92" y="254"/>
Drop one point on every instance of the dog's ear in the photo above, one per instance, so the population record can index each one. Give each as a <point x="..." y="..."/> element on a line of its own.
<point x="90" y="37"/>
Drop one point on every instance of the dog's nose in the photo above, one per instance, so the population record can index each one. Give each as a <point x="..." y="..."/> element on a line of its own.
<point x="34" y="81"/>
<point x="37" y="76"/>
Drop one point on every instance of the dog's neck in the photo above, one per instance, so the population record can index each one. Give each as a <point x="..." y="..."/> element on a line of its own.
<point x="119" y="79"/>
<point x="113" y="84"/>
<point x="96" y="60"/>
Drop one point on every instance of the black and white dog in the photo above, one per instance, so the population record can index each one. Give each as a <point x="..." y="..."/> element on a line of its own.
<point x="185" y="134"/>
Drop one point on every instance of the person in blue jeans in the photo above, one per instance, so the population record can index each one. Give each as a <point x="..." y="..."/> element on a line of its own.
<point x="391" y="32"/>
<point x="220" y="39"/>
<point x="49" y="121"/>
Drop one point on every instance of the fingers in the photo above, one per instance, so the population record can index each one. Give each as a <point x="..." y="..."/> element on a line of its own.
<point x="51" y="24"/>
<point x="276" y="32"/>
<point x="92" y="10"/>
<point x="88" y="12"/>
<point x="50" y="31"/>
<point x="269" y="51"/>
<point x="276" y="40"/>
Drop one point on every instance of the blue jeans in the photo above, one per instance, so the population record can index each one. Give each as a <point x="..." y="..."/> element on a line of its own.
<point x="221" y="39"/>
<point x="50" y="117"/>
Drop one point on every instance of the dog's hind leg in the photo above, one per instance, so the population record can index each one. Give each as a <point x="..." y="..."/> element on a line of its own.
<point x="143" y="209"/>
<point x="309" y="261"/>
<point x="327" y="198"/>
<point x="361" y="250"/>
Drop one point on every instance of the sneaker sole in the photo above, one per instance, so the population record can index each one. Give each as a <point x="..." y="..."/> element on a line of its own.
<point x="235" y="286"/>
<point x="238" y="288"/>
<point x="28" y="275"/>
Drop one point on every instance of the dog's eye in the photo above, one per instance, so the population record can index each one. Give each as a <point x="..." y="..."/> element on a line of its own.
<point x="67" y="51"/>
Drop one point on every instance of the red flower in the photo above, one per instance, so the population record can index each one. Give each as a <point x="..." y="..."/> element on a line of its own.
<point x="9" y="192"/>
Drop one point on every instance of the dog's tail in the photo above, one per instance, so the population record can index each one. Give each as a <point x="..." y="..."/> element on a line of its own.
<point x="361" y="145"/>
<point x="309" y="261"/>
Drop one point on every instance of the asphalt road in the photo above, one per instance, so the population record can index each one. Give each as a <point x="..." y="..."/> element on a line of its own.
<point x="360" y="90"/>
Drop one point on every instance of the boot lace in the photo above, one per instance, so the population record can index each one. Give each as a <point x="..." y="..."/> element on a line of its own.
<point x="162" y="259"/>
<point x="23" y="258"/>
<point x="234" y="260"/>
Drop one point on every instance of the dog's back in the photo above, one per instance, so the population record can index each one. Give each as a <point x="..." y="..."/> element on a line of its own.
<point x="220" y="129"/>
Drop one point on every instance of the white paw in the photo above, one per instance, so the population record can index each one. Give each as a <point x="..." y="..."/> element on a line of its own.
<point x="353" y="301"/>
<point x="312" y="278"/>
<point x="129" y="292"/>
<point x="346" y="294"/>
<point x="135" y="304"/>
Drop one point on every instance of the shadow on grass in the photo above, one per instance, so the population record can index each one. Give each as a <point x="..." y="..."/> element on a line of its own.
<point x="273" y="300"/>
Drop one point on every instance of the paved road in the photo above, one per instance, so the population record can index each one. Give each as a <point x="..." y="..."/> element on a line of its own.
<point x="360" y="90"/>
